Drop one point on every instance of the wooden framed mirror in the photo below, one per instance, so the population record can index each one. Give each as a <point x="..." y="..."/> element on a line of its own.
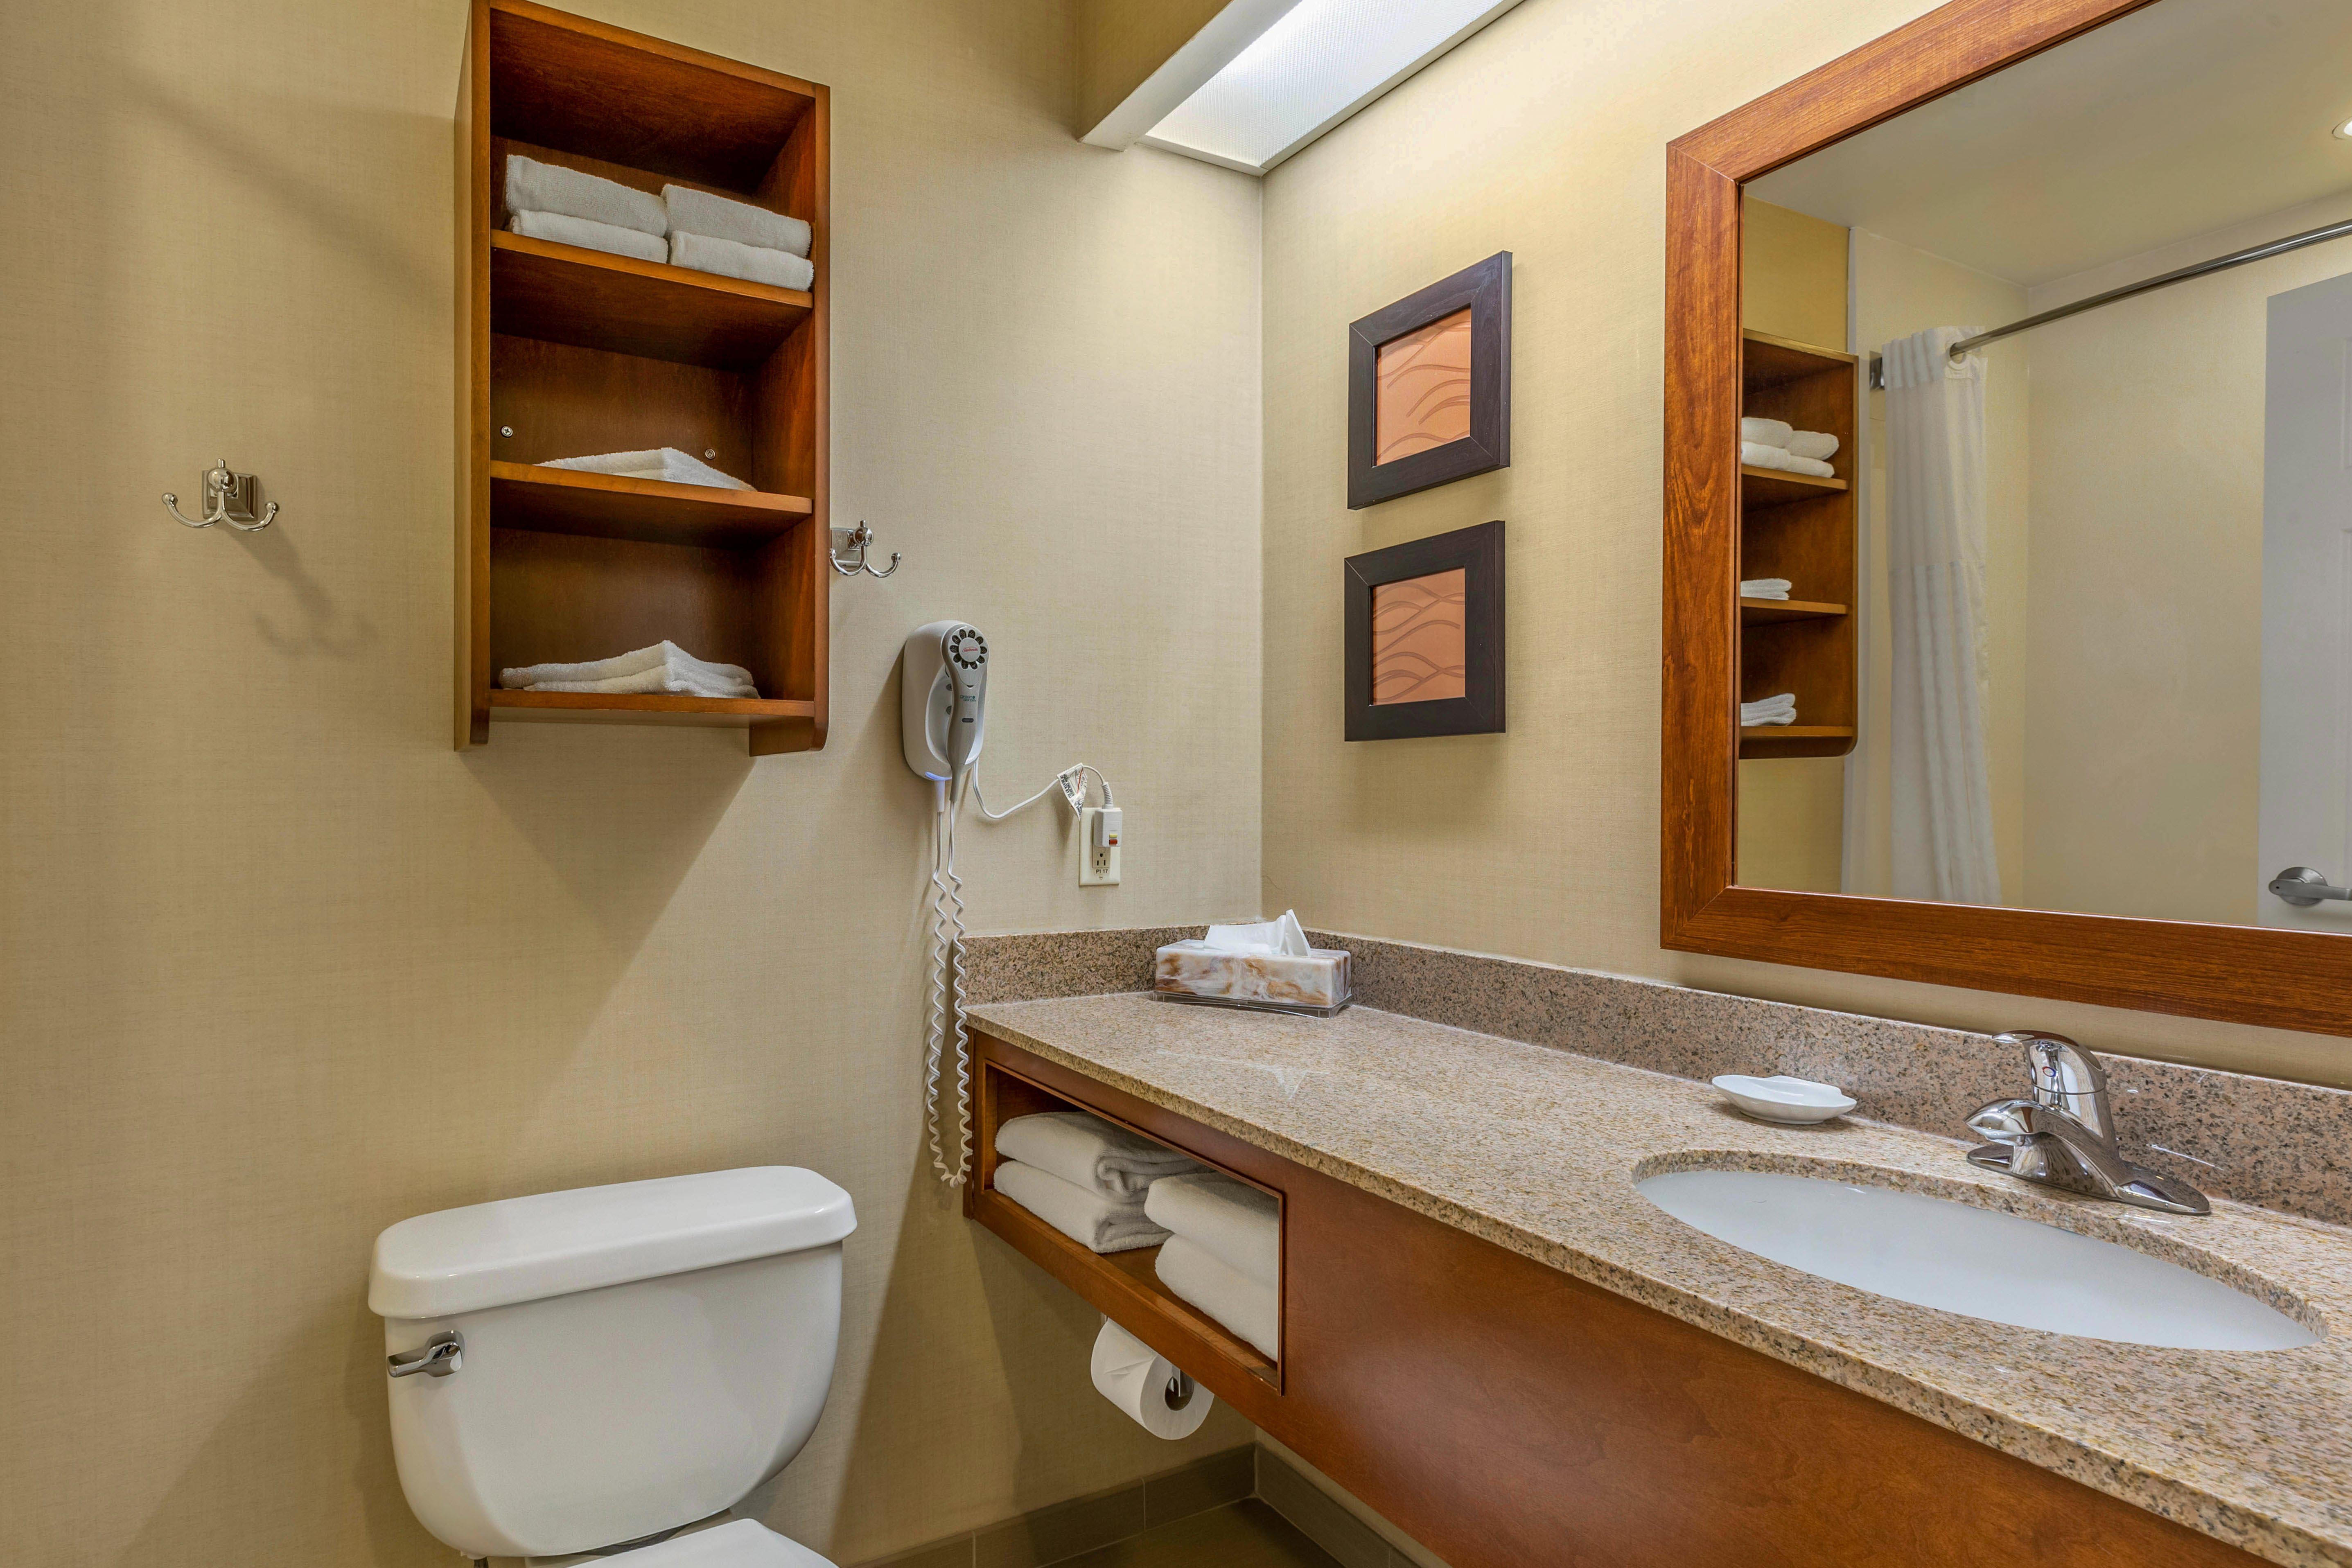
<point x="2108" y="762"/>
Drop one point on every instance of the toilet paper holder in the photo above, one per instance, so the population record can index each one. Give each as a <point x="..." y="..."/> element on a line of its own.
<point x="1178" y="1391"/>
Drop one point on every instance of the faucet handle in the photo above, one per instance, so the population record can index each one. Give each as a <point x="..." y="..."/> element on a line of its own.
<point x="2065" y="1076"/>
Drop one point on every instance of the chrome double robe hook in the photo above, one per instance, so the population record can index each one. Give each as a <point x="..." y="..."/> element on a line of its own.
<point x="228" y="497"/>
<point x="860" y="539"/>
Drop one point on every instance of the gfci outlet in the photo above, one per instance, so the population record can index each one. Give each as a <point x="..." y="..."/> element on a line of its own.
<point x="1097" y="859"/>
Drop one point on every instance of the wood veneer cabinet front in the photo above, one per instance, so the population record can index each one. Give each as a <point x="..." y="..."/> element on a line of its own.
<point x="1506" y="1415"/>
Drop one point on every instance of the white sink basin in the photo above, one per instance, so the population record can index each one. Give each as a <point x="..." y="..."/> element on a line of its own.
<point x="1933" y="1252"/>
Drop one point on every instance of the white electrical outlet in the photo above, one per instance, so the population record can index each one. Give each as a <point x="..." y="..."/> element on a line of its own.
<point x="1097" y="862"/>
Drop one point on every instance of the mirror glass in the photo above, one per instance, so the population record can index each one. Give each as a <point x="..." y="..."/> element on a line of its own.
<point x="2062" y="622"/>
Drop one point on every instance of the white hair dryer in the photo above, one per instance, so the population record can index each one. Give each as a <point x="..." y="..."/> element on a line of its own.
<point x="943" y="701"/>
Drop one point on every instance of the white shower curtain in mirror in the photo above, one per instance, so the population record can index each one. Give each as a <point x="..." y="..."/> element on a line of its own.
<point x="1941" y="809"/>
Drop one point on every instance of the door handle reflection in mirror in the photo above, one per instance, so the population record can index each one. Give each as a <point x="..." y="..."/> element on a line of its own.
<point x="2303" y="887"/>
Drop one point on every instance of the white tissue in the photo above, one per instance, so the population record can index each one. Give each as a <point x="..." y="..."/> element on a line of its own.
<point x="1133" y="1377"/>
<point x="1284" y="938"/>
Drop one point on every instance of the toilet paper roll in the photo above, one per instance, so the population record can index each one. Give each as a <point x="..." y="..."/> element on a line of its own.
<point x="1131" y="1375"/>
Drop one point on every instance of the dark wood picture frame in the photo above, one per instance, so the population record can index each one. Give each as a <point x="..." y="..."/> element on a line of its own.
<point x="1484" y="290"/>
<point x="1477" y="553"/>
<point x="2285" y="979"/>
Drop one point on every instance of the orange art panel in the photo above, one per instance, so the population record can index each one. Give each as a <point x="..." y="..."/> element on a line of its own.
<point x="1421" y="389"/>
<point x="1420" y="644"/>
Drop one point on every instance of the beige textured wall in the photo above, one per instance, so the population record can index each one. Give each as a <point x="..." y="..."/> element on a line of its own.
<point x="1544" y="135"/>
<point x="1121" y="42"/>
<point x="2143" y="740"/>
<point x="281" y="968"/>
<point x="1792" y="271"/>
<point x="1900" y="290"/>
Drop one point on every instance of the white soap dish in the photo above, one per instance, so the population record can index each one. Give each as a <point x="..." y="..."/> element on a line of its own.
<point x="1795" y="1101"/>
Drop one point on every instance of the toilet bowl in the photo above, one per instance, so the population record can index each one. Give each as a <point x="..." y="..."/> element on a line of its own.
<point x="595" y="1369"/>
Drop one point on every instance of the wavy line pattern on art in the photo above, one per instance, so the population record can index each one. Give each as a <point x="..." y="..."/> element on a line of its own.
<point x="1419" y="639"/>
<point x="1420" y="393"/>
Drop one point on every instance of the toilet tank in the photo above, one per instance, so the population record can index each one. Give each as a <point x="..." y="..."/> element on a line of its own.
<point x="636" y="1357"/>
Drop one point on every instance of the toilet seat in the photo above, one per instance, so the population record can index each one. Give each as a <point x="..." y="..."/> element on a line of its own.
<point x="743" y="1543"/>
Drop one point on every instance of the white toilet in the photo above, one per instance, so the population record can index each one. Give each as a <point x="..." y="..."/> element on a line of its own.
<point x="593" y="1371"/>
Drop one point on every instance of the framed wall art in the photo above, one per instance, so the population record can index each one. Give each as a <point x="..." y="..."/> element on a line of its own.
<point x="1424" y="629"/>
<point x="1429" y="385"/>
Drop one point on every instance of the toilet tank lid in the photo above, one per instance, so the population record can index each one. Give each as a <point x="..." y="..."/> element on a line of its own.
<point x="553" y="1244"/>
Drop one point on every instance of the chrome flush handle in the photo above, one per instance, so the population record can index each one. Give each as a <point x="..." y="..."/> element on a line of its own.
<point x="442" y="1355"/>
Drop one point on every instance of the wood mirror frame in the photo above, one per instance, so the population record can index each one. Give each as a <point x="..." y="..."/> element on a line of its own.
<point x="2286" y="979"/>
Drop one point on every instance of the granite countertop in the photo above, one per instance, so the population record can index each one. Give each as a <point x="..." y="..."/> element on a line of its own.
<point x="1539" y="1150"/>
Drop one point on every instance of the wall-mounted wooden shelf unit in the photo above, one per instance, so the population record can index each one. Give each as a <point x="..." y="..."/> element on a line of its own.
<point x="1802" y="528"/>
<point x="565" y="351"/>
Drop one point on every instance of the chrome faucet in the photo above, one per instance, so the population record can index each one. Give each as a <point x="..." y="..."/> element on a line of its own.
<point x="2062" y="1134"/>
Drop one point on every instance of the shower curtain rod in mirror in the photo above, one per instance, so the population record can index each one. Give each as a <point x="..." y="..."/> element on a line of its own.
<point x="2129" y="290"/>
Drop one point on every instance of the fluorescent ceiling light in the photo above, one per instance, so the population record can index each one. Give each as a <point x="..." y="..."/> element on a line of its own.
<point x="1322" y="61"/>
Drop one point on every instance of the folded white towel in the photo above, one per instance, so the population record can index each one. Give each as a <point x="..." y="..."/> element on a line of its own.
<point x="1765" y="588"/>
<point x="536" y="187"/>
<point x="1090" y="1152"/>
<point x="1238" y="1225"/>
<point x="1766" y="432"/>
<point x="732" y="258"/>
<point x="1780" y="710"/>
<point x="1814" y="466"/>
<point x="665" y="667"/>
<point x="587" y="233"/>
<point x="1756" y="455"/>
<point x="1095" y="1222"/>
<point x="1249" y="1308"/>
<point x="699" y="212"/>
<point x="661" y="463"/>
<point x="1814" y="444"/>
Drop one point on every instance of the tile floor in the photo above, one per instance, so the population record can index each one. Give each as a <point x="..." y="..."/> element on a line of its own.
<point x="1244" y="1535"/>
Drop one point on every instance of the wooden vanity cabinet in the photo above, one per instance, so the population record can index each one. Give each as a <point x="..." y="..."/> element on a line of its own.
<point x="1507" y="1415"/>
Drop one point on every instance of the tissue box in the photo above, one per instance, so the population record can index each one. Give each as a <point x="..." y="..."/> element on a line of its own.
<point x="1276" y="983"/>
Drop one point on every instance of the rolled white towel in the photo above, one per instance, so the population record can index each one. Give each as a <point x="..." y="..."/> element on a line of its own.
<point x="699" y="212"/>
<point x="537" y="187"/>
<point x="588" y="233"/>
<point x="1249" y="1308"/>
<point x="1240" y="1226"/>
<point x="661" y="463"/>
<point x="664" y="667"/>
<point x="1780" y="710"/>
<point x="731" y="258"/>
<point x="1756" y="455"/>
<point x="1765" y="588"/>
<point x="1815" y="443"/>
<point x="1814" y="466"/>
<point x="1766" y="432"/>
<point x="1087" y="1152"/>
<point x="1095" y="1222"/>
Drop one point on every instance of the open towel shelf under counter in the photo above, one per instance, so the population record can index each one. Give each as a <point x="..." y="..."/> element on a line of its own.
<point x="1123" y="1286"/>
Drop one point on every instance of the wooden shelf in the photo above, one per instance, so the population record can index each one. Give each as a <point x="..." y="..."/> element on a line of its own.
<point x="1122" y="1285"/>
<point x="1796" y="732"/>
<point x="1764" y="742"/>
<point x="1768" y="612"/>
<point x="1768" y="361"/>
<point x="665" y="707"/>
<point x="1778" y="487"/>
<point x="610" y="506"/>
<point x="589" y="297"/>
